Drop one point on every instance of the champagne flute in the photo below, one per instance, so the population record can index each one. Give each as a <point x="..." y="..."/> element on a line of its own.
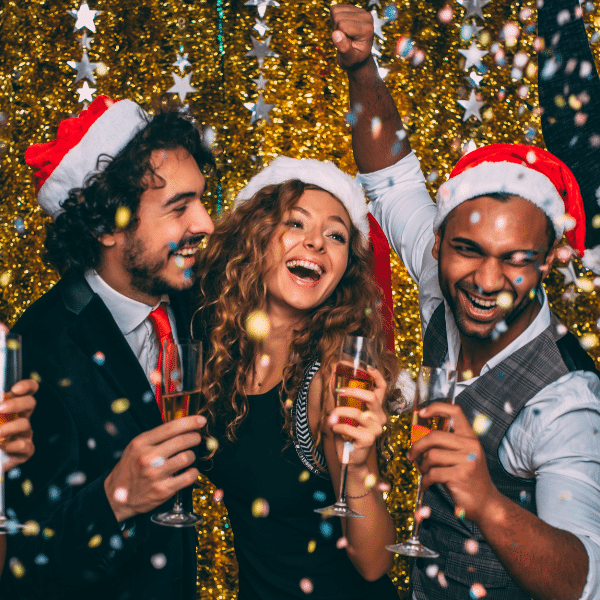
<point x="433" y="385"/>
<point x="181" y="382"/>
<point x="356" y="353"/>
<point x="11" y="367"/>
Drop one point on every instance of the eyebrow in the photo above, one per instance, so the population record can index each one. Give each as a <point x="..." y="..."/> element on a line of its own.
<point x="181" y="196"/>
<point x="467" y="241"/>
<point x="332" y="217"/>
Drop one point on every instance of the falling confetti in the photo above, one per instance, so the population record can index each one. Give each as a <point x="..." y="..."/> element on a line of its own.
<point x="258" y="325"/>
<point x="30" y="528"/>
<point x="260" y="508"/>
<point x="120" y="406"/>
<point x="477" y="591"/>
<point x="306" y="585"/>
<point x="122" y="217"/>
<point x="158" y="561"/>
<point x="481" y="424"/>
<point x="95" y="541"/>
<point x="472" y="546"/>
<point x="312" y="546"/>
<point x="504" y="300"/>
<point x="218" y="495"/>
<point x="99" y="358"/>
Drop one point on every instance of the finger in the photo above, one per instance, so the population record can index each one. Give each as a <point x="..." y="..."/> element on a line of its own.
<point x="172" y="429"/>
<point x="183" y="480"/>
<point x="25" y="387"/>
<point x="342" y="42"/>
<point x="378" y="379"/>
<point x="176" y="463"/>
<point x="18" y="451"/>
<point x="3" y="328"/>
<point x="443" y="440"/>
<point x="17" y="405"/>
<point x="435" y="458"/>
<point x="19" y="427"/>
<point x="459" y="424"/>
<point x="174" y="446"/>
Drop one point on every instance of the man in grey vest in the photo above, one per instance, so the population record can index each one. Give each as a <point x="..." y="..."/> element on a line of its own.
<point x="514" y="487"/>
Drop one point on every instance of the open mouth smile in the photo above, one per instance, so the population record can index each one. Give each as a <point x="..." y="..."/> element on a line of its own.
<point x="305" y="270"/>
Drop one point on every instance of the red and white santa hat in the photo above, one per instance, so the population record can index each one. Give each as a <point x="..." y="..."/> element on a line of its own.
<point x="526" y="171"/>
<point x="104" y="128"/>
<point x="323" y="174"/>
<point x="350" y="193"/>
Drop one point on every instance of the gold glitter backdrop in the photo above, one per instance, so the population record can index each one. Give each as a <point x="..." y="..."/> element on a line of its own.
<point x="304" y="100"/>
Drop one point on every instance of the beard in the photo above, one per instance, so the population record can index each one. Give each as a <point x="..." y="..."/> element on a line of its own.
<point x="482" y="331"/>
<point x="146" y="271"/>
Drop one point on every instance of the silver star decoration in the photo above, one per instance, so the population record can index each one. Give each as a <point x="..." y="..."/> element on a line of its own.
<point x="568" y="273"/>
<point x="378" y="24"/>
<point x="85" y="92"/>
<point x="472" y="106"/>
<point x="260" y="110"/>
<point x="85" y="41"/>
<point x="473" y="56"/>
<point x="474" y="7"/>
<point x="474" y="78"/>
<point x="569" y="295"/>
<point x="382" y="71"/>
<point x="182" y="62"/>
<point x="261" y="50"/>
<point x="475" y="28"/>
<point x="85" y="68"/>
<point x="84" y="17"/>
<point x="261" y="27"/>
<point x="374" y="3"/>
<point x="376" y="49"/>
<point x="261" y="5"/>
<point x="260" y="82"/>
<point x="182" y="86"/>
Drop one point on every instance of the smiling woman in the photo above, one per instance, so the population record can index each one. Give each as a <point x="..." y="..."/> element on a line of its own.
<point x="295" y="250"/>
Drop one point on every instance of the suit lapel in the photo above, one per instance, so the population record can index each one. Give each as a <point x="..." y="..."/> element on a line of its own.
<point x="95" y="330"/>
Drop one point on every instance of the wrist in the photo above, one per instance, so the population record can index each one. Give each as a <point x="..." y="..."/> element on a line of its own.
<point x="365" y="70"/>
<point x="120" y="509"/>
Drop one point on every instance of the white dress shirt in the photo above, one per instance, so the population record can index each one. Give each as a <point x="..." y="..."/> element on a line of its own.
<point x="132" y="319"/>
<point x="556" y="437"/>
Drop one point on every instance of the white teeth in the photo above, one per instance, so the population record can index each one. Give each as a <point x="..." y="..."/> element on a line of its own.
<point x="187" y="251"/>
<point x="290" y="264"/>
<point x="482" y="303"/>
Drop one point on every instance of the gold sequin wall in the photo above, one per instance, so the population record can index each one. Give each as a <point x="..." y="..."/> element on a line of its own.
<point x="281" y="93"/>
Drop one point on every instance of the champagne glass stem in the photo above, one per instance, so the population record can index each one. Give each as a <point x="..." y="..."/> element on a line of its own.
<point x="416" y="520"/>
<point x="177" y="507"/>
<point x="343" y="480"/>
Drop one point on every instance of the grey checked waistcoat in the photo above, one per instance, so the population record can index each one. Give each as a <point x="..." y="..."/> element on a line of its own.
<point x="499" y="394"/>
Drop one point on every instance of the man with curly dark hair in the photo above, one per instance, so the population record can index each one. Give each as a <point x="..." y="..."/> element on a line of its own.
<point x="125" y="194"/>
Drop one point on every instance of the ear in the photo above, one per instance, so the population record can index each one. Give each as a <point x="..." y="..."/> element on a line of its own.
<point x="435" y="251"/>
<point x="545" y="268"/>
<point x="107" y="239"/>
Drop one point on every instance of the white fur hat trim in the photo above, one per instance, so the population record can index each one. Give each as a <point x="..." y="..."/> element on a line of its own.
<point x="109" y="134"/>
<point x="501" y="177"/>
<point x="323" y="174"/>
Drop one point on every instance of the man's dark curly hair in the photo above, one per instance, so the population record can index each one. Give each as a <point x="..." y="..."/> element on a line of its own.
<point x="90" y="211"/>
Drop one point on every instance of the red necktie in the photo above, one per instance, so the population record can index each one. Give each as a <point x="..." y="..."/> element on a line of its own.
<point x="162" y="327"/>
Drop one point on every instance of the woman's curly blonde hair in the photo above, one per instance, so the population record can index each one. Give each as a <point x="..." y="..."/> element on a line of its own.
<point x="231" y="286"/>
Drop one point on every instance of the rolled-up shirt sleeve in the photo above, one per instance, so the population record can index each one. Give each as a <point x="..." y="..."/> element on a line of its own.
<point x="556" y="438"/>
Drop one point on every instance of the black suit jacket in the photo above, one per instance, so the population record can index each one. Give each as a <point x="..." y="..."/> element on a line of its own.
<point x="72" y="342"/>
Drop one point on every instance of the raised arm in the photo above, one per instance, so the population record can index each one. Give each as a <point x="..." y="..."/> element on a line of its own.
<point x="369" y="98"/>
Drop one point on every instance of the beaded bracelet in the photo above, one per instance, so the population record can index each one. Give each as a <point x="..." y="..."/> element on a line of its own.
<point x="361" y="496"/>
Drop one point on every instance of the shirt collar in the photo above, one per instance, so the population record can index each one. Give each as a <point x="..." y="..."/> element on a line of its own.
<point x="538" y="325"/>
<point x="127" y="312"/>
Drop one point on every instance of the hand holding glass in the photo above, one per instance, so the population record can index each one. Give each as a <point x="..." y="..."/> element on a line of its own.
<point x="10" y="372"/>
<point x="351" y="372"/>
<point x="433" y="385"/>
<point x="181" y="382"/>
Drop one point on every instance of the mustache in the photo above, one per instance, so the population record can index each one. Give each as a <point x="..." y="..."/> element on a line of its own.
<point x="190" y="241"/>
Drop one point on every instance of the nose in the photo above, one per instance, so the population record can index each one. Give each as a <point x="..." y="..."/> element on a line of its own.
<point x="489" y="276"/>
<point x="200" y="221"/>
<point x="314" y="239"/>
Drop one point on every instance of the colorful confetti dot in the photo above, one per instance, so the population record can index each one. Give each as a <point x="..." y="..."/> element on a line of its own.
<point x="41" y="559"/>
<point x="158" y="560"/>
<point x="17" y="568"/>
<point x="95" y="541"/>
<point x="304" y="476"/>
<point x="477" y="591"/>
<point x="326" y="529"/>
<point x="122" y="217"/>
<point x="504" y="300"/>
<point x="312" y="545"/>
<point x="218" y="495"/>
<point x="481" y="424"/>
<point x="306" y="585"/>
<point x="341" y="543"/>
<point x="319" y="496"/>
<point x="30" y="528"/>
<point x="212" y="444"/>
<point x="27" y="487"/>
<point x="99" y="358"/>
<point x="258" y="325"/>
<point x="260" y="508"/>
<point x="76" y="478"/>
<point x="472" y="546"/>
<point x="120" y="406"/>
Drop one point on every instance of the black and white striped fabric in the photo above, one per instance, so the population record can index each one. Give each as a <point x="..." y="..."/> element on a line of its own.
<point x="303" y="439"/>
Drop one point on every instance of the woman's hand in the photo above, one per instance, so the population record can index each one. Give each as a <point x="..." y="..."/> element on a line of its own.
<point x="15" y="414"/>
<point x="369" y="423"/>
